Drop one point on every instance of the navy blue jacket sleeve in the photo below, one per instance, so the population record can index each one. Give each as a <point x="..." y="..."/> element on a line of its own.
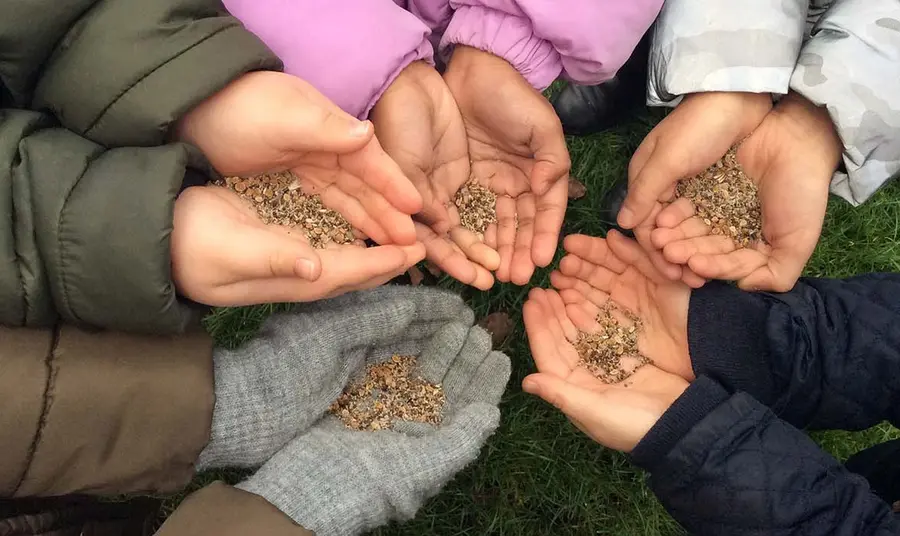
<point x="825" y="355"/>
<point x="725" y="464"/>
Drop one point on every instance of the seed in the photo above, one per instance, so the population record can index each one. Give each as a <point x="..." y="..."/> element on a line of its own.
<point x="477" y="206"/>
<point x="602" y="353"/>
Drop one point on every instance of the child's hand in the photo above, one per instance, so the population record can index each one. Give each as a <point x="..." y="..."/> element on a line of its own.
<point x="223" y="255"/>
<point x="792" y="157"/>
<point x="615" y="415"/>
<point x="618" y="269"/>
<point x="419" y="125"/>
<point x="517" y="149"/>
<point x="267" y="121"/>
<point x="694" y="136"/>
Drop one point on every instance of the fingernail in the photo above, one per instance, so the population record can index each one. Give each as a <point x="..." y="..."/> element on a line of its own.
<point x="529" y="386"/>
<point x="626" y="217"/>
<point x="306" y="269"/>
<point x="360" y="130"/>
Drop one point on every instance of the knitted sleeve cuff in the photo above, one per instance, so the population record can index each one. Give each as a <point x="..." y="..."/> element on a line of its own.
<point x="727" y="339"/>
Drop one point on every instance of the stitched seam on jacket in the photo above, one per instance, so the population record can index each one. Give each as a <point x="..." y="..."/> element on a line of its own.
<point x="147" y="75"/>
<point x="60" y="257"/>
<point x="17" y="160"/>
<point x="49" y="363"/>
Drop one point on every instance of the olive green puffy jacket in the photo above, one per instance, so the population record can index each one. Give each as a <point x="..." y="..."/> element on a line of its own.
<point x="88" y="92"/>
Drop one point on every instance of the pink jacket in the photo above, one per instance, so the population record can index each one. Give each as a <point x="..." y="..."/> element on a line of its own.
<point x="351" y="50"/>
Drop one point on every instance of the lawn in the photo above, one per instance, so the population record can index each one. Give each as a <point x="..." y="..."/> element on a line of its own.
<point x="538" y="475"/>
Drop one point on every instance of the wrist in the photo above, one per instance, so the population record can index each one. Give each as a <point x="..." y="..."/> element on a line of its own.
<point x="812" y="123"/>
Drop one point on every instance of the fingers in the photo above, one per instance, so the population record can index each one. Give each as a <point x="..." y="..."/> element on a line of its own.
<point x="475" y="249"/>
<point x="522" y="267"/>
<point x="596" y="276"/>
<point x="646" y="186"/>
<point x="549" y="215"/>
<point x="577" y="403"/>
<point x="256" y="253"/>
<point x="506" y="235"/>
<point x="675" y="213"/>
<point x="594" y="250"/>
<point x="682" y="251"/>
<point x="780" y="274"/>
<point x="545" y="335"/>
<point x="343" y="269"/>
<point x="397" y="224"/>
<point x="728" y="266"/>
<point x="630" y="253"/>
<point x="642" y="234"/>
<point x="353" y="211"/>
<point x="379" y="171"/>
<point x="451" y="260"/>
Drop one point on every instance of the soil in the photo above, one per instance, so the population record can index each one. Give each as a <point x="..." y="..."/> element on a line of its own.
<point x="387" y="393"/>
<point x="279" y="200"/>
<point x="726" y="199"/>
<point x="603" y="352"/>
<point x="477" y="206"/>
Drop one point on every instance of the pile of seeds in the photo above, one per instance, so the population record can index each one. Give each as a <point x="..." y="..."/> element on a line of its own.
<point x="389" y="392"/>
<point x="278" y="200"/>
<point x="477" y="206"/>
<point x="726" y="199"/>
<point x="602" y="352"/>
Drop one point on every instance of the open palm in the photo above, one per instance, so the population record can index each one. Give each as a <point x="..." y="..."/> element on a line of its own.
<point x="616" y="268"/>
<point x="517" y="150"/>
<point x="419" y="125"/>
<point x="615" y="415"/>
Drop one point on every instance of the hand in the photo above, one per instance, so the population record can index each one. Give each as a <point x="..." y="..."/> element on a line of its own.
<point x="387" y="475"/>
<point x="419" y="126"/>
<point x="617" y="416"/>
<point x="616" y="268"/>
<point x="223" y="255"/>
<point x="267" y="121"/>
<point x="517" y="149"/>
<point x="690" y="139"/>
<point x="283" y="380"/>
<point x="792" y="157"/>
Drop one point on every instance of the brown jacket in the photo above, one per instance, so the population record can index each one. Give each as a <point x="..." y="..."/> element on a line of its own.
<point x="88" y="92"/>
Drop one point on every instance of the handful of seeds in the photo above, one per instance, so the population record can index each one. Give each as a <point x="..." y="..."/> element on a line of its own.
<point x="603" y="352"/>
<point x="278" y="200"/>
<point x="477" y="206"/>
<point x="726" y="199"/>
<point x="389" y="392"/>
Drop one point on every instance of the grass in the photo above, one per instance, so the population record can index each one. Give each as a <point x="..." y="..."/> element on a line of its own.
<point x="538" y="474"/>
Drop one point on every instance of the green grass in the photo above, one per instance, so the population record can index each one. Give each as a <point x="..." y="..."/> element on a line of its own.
<point x="538" y="475"/>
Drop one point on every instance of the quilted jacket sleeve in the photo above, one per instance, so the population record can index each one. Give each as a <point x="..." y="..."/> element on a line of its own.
<point x="720" y="45"/>
<point x="725" y="464"/>
<point x="825" y="355"/>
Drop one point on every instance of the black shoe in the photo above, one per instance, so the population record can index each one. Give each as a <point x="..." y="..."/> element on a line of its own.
<point x="589" y="109"/>
<point x="612" y="203"/>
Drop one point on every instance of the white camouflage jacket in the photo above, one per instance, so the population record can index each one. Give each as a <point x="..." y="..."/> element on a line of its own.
<point x="842" y="54"/>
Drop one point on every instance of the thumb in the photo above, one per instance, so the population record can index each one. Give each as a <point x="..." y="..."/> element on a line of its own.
<point x="269" y="253"/>
<point x="316" y="127"/>
<point x="577" y="403"/>
<point x="655" y="177"/>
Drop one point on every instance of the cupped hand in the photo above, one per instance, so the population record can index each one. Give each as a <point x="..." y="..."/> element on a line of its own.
<point x="617" y="268"/>
<point x="224" y="255"/>
<point x="420" y="127"/>
<point x="617" y="416"/>
<point x="268" y="121"/>
<point x="517" y="149"/>
<point x="791" y="157"/>
<point x="694" y="136"/>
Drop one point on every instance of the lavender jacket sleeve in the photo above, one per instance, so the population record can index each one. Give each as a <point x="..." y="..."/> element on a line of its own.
<point x="350" y="50"/>
<point x="587" y="41"/>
